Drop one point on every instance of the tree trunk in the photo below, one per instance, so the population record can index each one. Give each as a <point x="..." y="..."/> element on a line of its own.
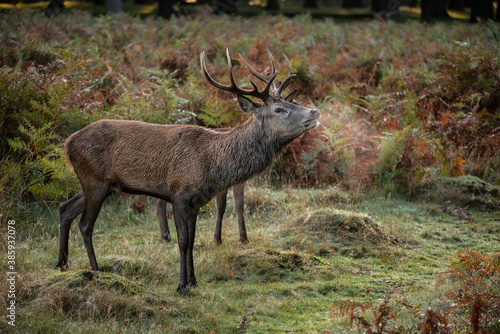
<point x="113" y="6"/>
<point x="482" y="9"/>
<point x="224" y="6"/>
<point x="54" y="7"/>
<point x="456" y="4"/>
<point x="273" y="5"/>
<point x="166" y="8"/>
<point x="439" y="9"/>
<point x="353" y="4"/>
<point x="426" y="8"/>
<point x="433" y="8"/>
<point x="389" y="9"/>
<point x="310" y="4"/>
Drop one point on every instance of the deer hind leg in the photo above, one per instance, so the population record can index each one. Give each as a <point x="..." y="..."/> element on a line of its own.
<point x="68" y="211"/>
<point x="238" y="194"/>
<point x="221" y="202"/>
<point x="94" y="199"/>
<point x="161" y="214"/>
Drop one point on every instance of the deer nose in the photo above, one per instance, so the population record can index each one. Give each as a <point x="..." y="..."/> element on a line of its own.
<point x="315" y="112"/>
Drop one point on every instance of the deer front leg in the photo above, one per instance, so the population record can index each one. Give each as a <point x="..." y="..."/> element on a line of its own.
<point x="221" y="202"/>
<point x="238" y="194"/>
<point x="191" y="278"/>
<point x="161" y="214"/>
<point x="185" y="222"/>
<point x="68" y="211"/>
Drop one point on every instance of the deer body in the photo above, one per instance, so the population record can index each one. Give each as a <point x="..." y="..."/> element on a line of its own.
<point x="221" y="201"/>
<point x="141" y="158"/>
<point x="185" y="165"/>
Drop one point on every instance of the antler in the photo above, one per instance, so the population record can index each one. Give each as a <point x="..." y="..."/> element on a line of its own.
<point x="282" y="85"/>
<point x="259" y="75"/>
<point x="279" y="87"/>
<point x="234" y="88"/>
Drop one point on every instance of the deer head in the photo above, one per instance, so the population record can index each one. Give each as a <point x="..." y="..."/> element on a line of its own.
<point x="277" y="113"/>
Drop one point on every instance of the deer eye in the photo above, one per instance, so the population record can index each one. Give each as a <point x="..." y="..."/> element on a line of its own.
<point x="280" y="111"/>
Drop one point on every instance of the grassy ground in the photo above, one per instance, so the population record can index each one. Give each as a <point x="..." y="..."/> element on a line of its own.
<point x="309" y="249"/>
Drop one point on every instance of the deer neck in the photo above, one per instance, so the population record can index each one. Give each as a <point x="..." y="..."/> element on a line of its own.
<point x="245" y="151"/>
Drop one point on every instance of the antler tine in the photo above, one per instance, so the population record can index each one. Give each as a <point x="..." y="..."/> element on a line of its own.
<point x="259" y="75"/>
<point x="203" y="58"/>
<point x="286" y="82"/>
<point x="290" y="71"/>
<point x="272" y="61"/>
<point x="230" y="65"/>
<point x="234" y="88"/>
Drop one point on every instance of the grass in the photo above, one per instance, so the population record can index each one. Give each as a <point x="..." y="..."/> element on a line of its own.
<point x="303" y="257"/>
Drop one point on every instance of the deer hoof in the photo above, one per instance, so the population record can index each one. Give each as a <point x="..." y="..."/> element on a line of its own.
<point x="166" y="238"/>
<point x="192" y="283"/>
<point x="63" y="265"/>
<point x="183" y="290"/>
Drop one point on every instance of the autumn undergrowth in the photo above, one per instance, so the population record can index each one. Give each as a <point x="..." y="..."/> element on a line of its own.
<point x="384" y="219"/>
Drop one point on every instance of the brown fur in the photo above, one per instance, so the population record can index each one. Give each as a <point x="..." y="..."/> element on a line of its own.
<point x="221" y="201"/>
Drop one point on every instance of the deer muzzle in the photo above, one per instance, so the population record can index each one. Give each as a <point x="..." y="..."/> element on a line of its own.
<point x="312" y="122"/>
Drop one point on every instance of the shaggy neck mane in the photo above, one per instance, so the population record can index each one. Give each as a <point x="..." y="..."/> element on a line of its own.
<point x="244" y="152"/>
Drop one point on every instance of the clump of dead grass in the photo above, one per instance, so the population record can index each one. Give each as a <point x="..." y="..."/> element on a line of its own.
<point x="467" y="190"/>
<point x="85" y="279"/>
<point x="84" y="294"/>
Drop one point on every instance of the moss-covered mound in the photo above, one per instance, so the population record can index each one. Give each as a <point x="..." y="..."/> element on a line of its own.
<point x="267" y="200"/>
<point x="268" y="265"/>
<point x="290" y="260"/>
<point x="347" y="224"/>
<point x="129" y="267"/>
<point x="460" y="191"/>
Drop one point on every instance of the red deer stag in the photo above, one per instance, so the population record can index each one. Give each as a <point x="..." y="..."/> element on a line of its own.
<point x="182" y="164"/>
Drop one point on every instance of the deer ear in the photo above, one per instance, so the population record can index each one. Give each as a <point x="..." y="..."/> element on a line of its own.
<point x="291" y="96"/>
<point x="248" y="105"/>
